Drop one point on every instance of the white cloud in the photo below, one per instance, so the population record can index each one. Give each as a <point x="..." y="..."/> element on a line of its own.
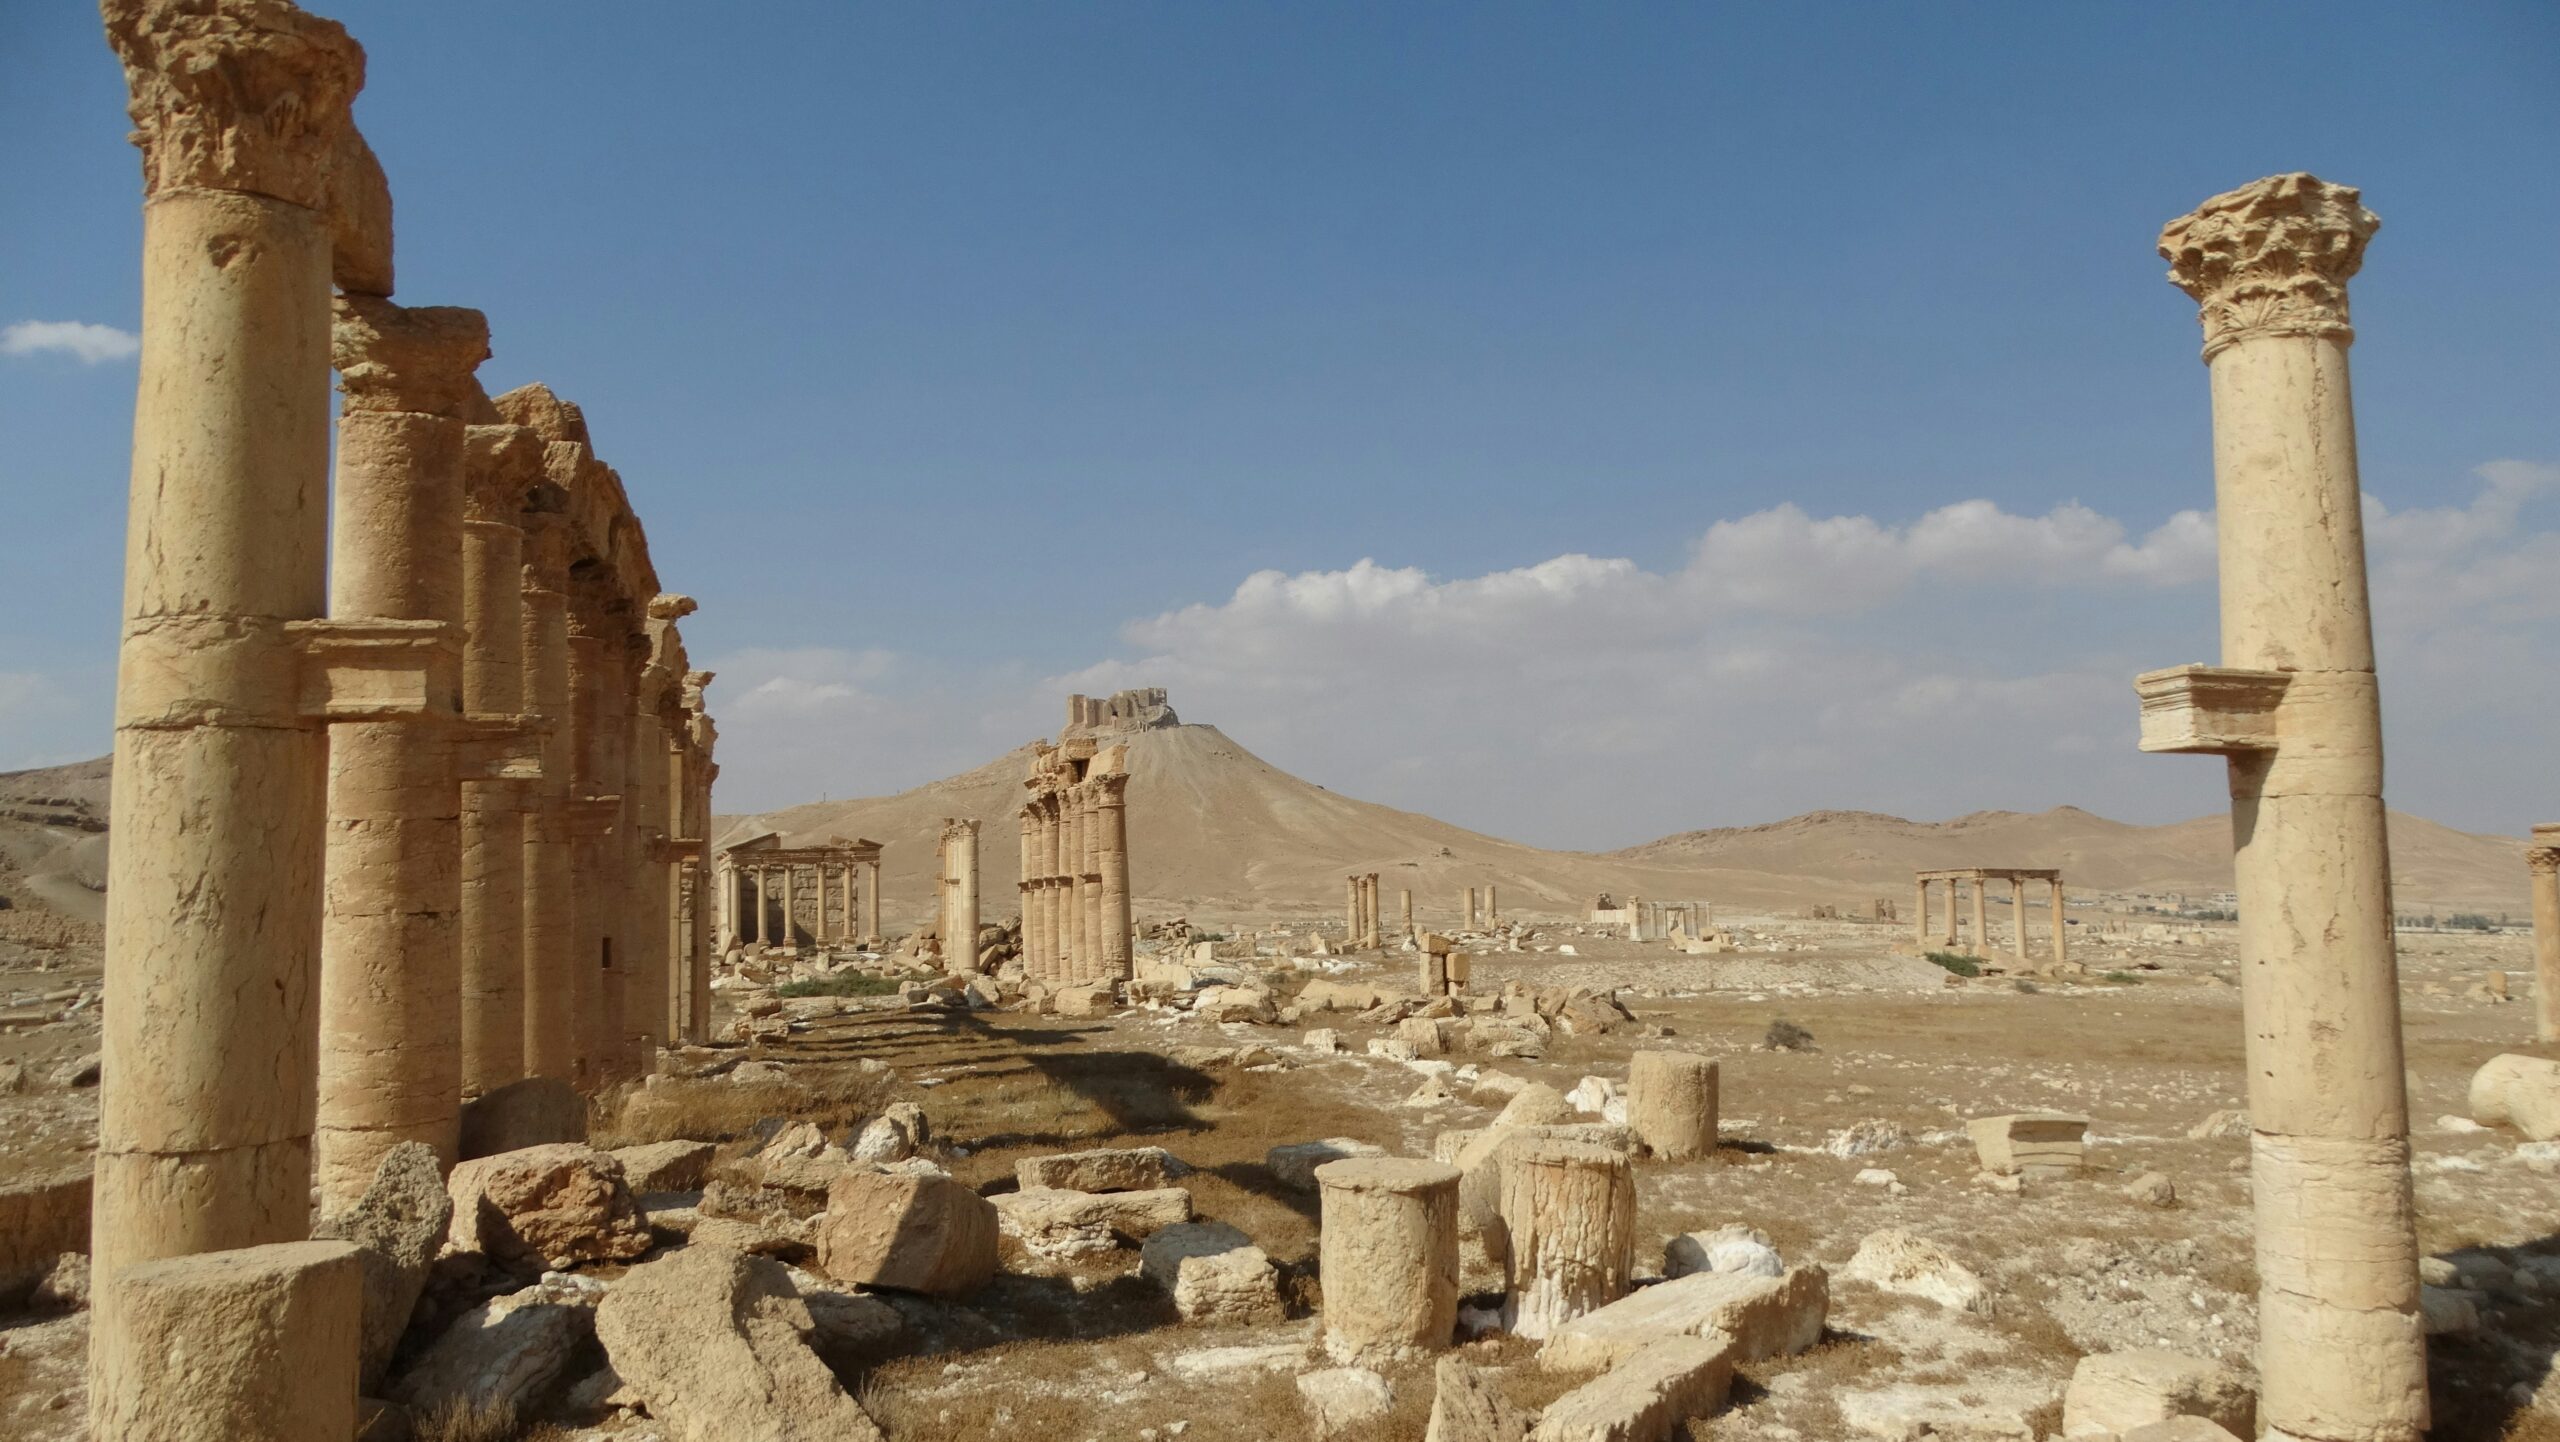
<point x="89" y="344"/>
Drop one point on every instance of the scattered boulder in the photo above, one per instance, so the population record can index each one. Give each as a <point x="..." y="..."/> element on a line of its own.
<point x="1340" y="1398"/>
<point x="2520" y="1091"/>
<point x="398" y="1226"/>
<point x="546" y="1207"/>
<point x="2153" y="1189"/>
<point x="883" y="1139"/>
<point x="1732" y="1248"/>
<point x="907" y="1233"/>
<point x="1467" y="1406"/>
<point x="1866" y="1138"/>
<point x="712" y="1341"/>
<point x="1645" y="1397"/>
<point x="1092" y="1000"/>
<point x="2032" y="1144"/>
<point x="1897" y="1261"/>
<point x="1110" y="1169"/>
<point x="534" y="1112"/>
<point x="1235" y="1004"/>
<point x="2218" y="1126"/>
<point x="505" y="1354"/>
<point x="1062" y="1225"/>
<point x="1537" y="1105"/>
<point x="1214" y="1273"/>
<point x="1762" y="1316"/>
<point x="2115" y="1392"/>
<point x="80" y="1071"/>
<point x="1323" y="1040"/>
<point x="39" y="1221"/>
<point x="1295" y="1165"/>
<point x="665" y="1166"/>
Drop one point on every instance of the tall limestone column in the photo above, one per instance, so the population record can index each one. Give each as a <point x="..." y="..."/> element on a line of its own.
<point x="2543" y="860"/>
<point x="763" y="907"/>
<point x="1354" y="908"/>
<point x="390" y="940"/>
<point x="1111" y="820"/>
<point x="1405" y="905"/>
<point x="593" y="809"/>
<point x="871" y="903"/>
<point x="1920" y="914"/>
<point x="1089" y="879"/>
<point x="1071" y="919"/>
<point x="213" y="884"/>
<point x="2061" y="946"/>
<point x="704" y="736"/>
<point x="2295" y="709"/>
<point x="2018" y="917"/>
<point x="1053" y="940"/>
<point x="502" y="467"/>
<point x="1981" y="917"/>
<point x="790" y="905"/>
<point x="960" y="896"/>
<point x="550" y="885"/>
<point x="1029" y="824"/>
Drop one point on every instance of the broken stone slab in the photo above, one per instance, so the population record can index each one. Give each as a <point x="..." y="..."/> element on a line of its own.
<point x="1108" y="1169"/>
<point x="1428" y="1036"/>
<point x="665" y="1166"/>
<point x="2003" y="1406"/>
<point x="1249" y="1005"/>
<point x="2029" y="1143"/>
<point x="1537" y="1104"/>
<point x="534" y="1112"/>
<point x="1646" y="1397"/>
<point x="398" y="1227"/>
<point x="2518" y="1091"/>
<point x="907" y="1233"/>
<point x="546" y="1207"/>
<point x="1897" y="1261"/>
<point x="1061" y="1225"/>
<point x="508" y="1353"/>
<point x="713" y="1341"/>
<point x="1343" y="996"/>
<point x="1762" y="1316"/>
<point x="1294" y="1165"/>
<point x="1213" y="1363"/>
<point x="2220" y="1125"/>
<point x="1338" y="1399"/>
<point x="1467" y="1405"/>
<point x="1088" y="1001"/>
<point x="39" y="1221"/>
<point x="1323" y="1041"/>
<point x="1214" y="1273"/>
<point x="2115" y="1392"/>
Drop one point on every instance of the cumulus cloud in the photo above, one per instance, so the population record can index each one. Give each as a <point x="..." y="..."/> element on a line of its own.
<point x="82" y="341"/>
<point x="1966" y="659"/>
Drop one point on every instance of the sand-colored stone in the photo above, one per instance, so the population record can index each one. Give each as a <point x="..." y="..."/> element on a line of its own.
<point x="1468" y="1405"/>
<point x="1764" y="1316"/>
<point x="546" y="1207"/>
<point x="1671" y="1103"/>
<point x="2542" y="864"/>
<point x="907" y="1233"/>
<point x="2046" y="1144"/>
<point x="2115" y="1392"/>
<point x="1646" y="1397"/>
<point x="2518" y="1091"/>
<point x="715" y="1343"/>
<point x="958" y="893"/>
<point x="1104" y="1169"/>
<point x="1389" y="1258"/>
<point x="2296" y="709"/>
<point x="39" y="1221"/>
<point x="256" y="1342"/>
<point x="1214" y="1274"/>
<point x="1294" y="1165"/>
<point x="398" y="1227"/>
<point x="1568" y="1217"/>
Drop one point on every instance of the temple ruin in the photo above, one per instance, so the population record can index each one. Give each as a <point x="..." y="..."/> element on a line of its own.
<point x="764" y="904"/>
<point x="1075" y="858"/>
<point x="1979" y="879"/>
<point x="366" y="769"/>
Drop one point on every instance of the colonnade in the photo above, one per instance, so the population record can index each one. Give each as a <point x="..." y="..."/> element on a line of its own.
<point x="346" y="754"/>
<point x="760" y="894"/>
<point x="1075" y="864"/>
<point x="1360" y="910"/>
<point x="1981" y="877"/>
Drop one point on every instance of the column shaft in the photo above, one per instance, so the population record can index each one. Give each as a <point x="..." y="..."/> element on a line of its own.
<point x="2544" y="864"/>
<point x="550" y="885"/>
<point x="1112" y="816"/>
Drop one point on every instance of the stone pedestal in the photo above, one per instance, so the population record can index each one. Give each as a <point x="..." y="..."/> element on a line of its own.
<point x="1671" y="1103"/>
<point x="2296" y="710"/>
<point x="1569" y="1216"/>
<point x="1389" y="1258"/>
<point x="257" y="1342"/>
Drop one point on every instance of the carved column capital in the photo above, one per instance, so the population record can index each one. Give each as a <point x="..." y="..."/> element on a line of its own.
<point x="2271" y="259"/>
<point x="501" y="469"/>
<point x="403" y="358"/>
<point x="2543" y="856"/>
<point x="248" y="95"/>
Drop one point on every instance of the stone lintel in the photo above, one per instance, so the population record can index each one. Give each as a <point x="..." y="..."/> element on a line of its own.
<point x="2210" y="710"/>
<point x="376" y="670"/>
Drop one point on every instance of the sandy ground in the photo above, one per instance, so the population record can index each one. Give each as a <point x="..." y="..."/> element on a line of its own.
<point x="1089" y="1351"/>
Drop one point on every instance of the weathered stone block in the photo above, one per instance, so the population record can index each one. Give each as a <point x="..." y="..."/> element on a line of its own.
<point x="1646" y="1397"/>
<point x="713" y="1342"/>
<point x="538" y="1111"/>
<point x="665" y="1166"/>
<point x="1295" y="1165"/>
<point x="399" y="1225"/>
<point x="1214" y="1273"/>
<point x="1061" y="1225"/>
<point x="259" y="1342"/>
<point x="1467" y="1406"/>
<point x="2030" y="1144"/>
<point x="2115" y="1392"/>
<point x="1116" y="1169"/>
<point x="907" y="1233"/>
<point x="1764" y="1317"/>
<point x="39" y="1221"/>
<point x="546" y="1207"/>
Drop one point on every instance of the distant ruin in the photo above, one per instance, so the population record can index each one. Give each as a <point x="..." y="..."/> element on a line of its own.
<point x="1120" y="714"/>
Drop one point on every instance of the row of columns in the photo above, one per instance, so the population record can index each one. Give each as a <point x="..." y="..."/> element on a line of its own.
<point x="1491" y="915"/>
<point x="1981" y="926"/>
<point x="761" y="902"/>
<point x="1075" y="865"/>
<point x="1360" y="910"/>
<point x="345" y="754"/>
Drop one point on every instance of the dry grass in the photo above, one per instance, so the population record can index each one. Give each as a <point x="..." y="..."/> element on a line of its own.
<point x="461" y="1421"/>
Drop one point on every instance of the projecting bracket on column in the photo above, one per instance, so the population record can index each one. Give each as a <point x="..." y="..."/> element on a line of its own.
<point x="591" y="816"/>
<point x="2210" y="710"/>
<point x="501" y="748"/>
<point x="674" y="849"/>
<point x="376" y="670"/>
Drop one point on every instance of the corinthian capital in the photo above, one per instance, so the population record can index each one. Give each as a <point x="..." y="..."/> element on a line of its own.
<point x="2271" y="259"/>
<point x="407" y="358"/>
<point x="236" y="94"/>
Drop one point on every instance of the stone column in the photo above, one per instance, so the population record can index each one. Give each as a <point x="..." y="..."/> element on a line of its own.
<point x="1071" y="922"/>
<point x="1671" y="1103"/>
<point x="1352" y="909"/>
<point x="2061" y="946"/>
<point x="1026" y="848"/>
<point x="1920" y="914"/>
<point x="1404" y="901"/>
<point x="551" y="956"/>
<point x="213" y="893"/>
<point x="1090" y="883"/>
<point x="960" y="896"/>
<point x="1493" y="906"/>
<point x="2018" y="917"/>
<point x="764" y="903"/>
<point x="1955" y="894"/>
<point x="1471" y="908"/>
<point x="1111" y="817"/>
<point x="1981" y="916"/>
<point x="2295" y="708"/>
<point x="871" y="903"/>
<point x="2542" y="861"/>
<point x="1388" y="1237"/>
<point x="790" y="906"/>
<point x="502" y="467"/>
<point x="1044" y="918"/>
<point x="390" y="939"/>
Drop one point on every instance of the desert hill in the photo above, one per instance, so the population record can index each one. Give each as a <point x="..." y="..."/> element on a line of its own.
<point x="1216" y="831"/>
<point x="53" y="844"/>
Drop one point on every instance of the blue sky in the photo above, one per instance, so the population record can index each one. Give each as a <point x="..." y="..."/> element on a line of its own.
<point x="957" y="356"/>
